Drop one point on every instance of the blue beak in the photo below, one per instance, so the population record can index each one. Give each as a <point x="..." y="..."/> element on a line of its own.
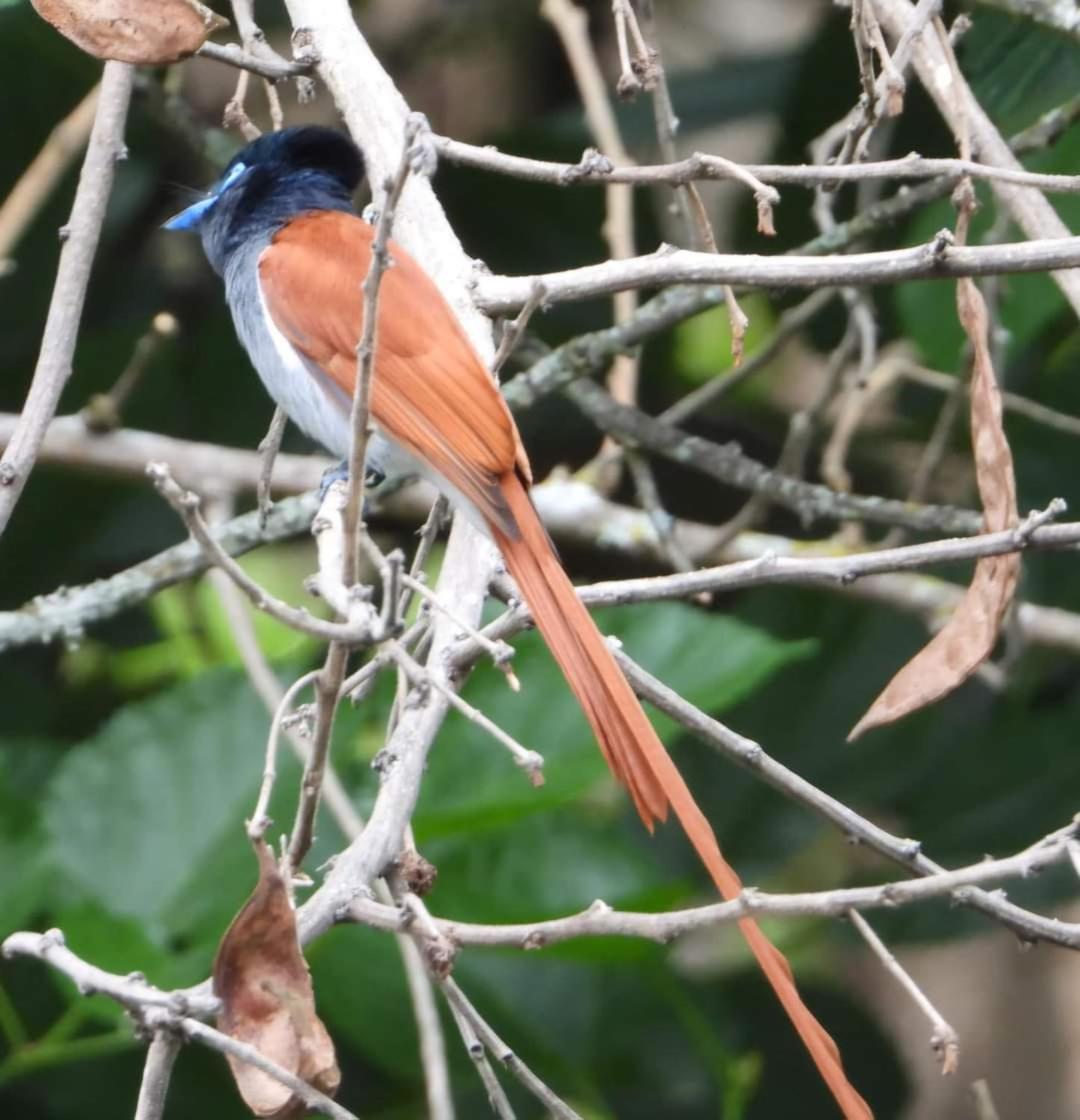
<point x="189" y="218"/>
<point x="194" y="214"/>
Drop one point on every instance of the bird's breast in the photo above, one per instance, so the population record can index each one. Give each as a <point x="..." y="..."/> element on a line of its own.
<point x="318" y="406"/>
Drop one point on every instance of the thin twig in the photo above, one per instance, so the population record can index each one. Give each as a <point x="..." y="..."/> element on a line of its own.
<point x="337" y="579"/>
<point x="648" y="494"/>
<point x="102" y="412"/>
<point x="499" y="652"/>
<point x="936" y="259"/>
<point x="367" y="344"/>
<point x="555" y="1105"/>
<point x="1012" y="402"/>
<point x="254" y="46"/>
<point x="907" y="853"/>
<point x="132" y="992"/>
<point x="234" y="115"/>
<point x="529" y="760"/>
<point x="496" y="1095"/>
<point x="234" y="1048"/>
<point x="984" y="1100"/>
<point x="80" y="237"/>
<point x="157" y="1070"/>
<point x="273" y="70"/>
<point x="600" y="920"/>
<point x="789" y="323"/>
<point x="36" y="184"/>
<point x="268" y="449"/>
<point x="944" y="1041"/>
<point x="571" y="24"/>
<point x="260" y="818"/>
<point x="759" y="178"/>
<point x="186" y="505"/>
<point x="432" y="1044"/>
<point x="512" y="333"/>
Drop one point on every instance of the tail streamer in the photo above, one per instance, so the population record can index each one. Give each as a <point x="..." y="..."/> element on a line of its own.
<point x="638" y="759"/>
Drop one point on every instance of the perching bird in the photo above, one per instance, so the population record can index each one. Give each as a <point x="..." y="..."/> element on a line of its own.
<point x="280" y="228"/>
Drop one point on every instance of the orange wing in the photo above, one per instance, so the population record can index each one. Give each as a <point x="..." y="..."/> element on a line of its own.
<point x="311" y="278"/>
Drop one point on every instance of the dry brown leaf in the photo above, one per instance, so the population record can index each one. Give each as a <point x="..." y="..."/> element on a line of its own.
<point x="968" y="638"/>
<point x="144" y="32"/>
<point x="264" y="986"/>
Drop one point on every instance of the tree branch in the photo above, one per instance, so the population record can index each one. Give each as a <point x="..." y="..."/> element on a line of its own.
<point x="727" y="464"/>
<point x="935" y="260"/>
<point x="600" y="920"/>
<point x="154" y="1088"/>
<point x="272" y="69"/>
<point x="80" y="238"/>
<point x="594" y="169"/>
<point x="936" y="66"/>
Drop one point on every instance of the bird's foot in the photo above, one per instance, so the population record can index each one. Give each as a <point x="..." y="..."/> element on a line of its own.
<point x="373" y="478"/>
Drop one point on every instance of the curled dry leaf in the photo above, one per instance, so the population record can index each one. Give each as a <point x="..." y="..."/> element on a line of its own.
<point x="968" y="638"/>
<point x="144" y="32"/>
<point x="264" y="986"/>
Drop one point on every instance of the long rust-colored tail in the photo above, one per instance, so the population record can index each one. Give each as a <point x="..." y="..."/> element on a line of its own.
<point x="638" y="759"/>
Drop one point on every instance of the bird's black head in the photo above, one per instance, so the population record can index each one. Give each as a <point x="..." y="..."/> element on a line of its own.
<point x="276" y="177"/>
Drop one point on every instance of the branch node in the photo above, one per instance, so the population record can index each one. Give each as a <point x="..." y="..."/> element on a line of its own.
<point x="1037" y="519"/>
<point x="942" y="241"/>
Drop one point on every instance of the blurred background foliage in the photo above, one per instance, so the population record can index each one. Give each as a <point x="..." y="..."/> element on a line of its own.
<point x="129" y="761"/>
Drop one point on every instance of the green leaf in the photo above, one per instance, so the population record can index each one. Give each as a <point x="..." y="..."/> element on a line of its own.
<point x="361" y="994"/>
<point x="26" y="877"/>
<point x="146" y="818"/>
<point x="549" y="864"/>
<point x="711" y="659"/>
<point x="197" y="635"/>
<point x="701" y="346"/>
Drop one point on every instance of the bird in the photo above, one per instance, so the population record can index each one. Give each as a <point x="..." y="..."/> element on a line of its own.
<point x="280" y="228"/>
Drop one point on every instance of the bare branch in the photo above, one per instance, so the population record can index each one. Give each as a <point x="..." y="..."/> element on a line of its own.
<point x="269" y="448"/>
<point x="186" y="505"/>
<point x="414" y="134"/>
<point x="555" y="1105"/>
<point x="131" y="992"/>
<point x="273" y="69"/>
<point x="154" y="1088"/>
<point x="224" y="1044"/>
<point x="575" y="515"/>
<point x="907" y="853"/>
<point x="727" y="464"/>
<point x="936" y="66"/>
<point x="571" y="24"/>
<point x="935" y="260"/>
<point x="80" y="238"/>
<point x="758" y="177"/>
<point x="496" y="1095"/>
<point x="38" y="181"/>
<point x="600" y="920"/>
<point x="944" y="1041"/>
<point x="102" y="411"/>
<point x="529" y="761"/>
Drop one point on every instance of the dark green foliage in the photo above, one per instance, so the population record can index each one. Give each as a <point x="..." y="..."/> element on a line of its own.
<point x="128" y="765"/>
